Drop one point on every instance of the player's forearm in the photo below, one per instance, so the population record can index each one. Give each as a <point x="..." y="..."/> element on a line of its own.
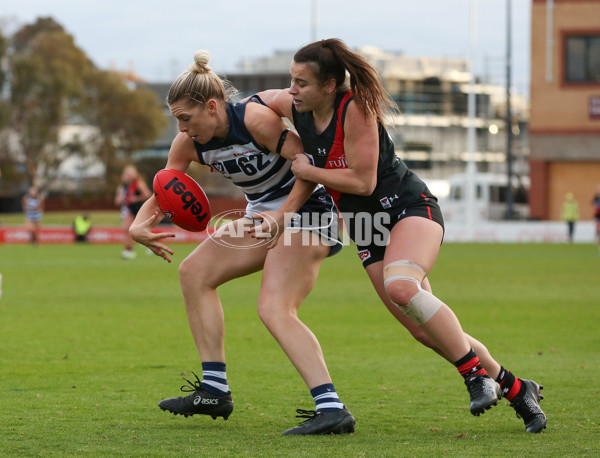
<point x="299" y="194"/>
<point x="343" y="180"/>
<point x="146" y="211"/>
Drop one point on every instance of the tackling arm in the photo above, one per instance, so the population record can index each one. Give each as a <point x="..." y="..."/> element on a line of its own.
<point x="361" y="149"/>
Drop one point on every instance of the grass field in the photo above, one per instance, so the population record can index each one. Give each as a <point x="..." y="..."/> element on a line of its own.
<point x="90" y="343"/>
<point x="97" y="217"/>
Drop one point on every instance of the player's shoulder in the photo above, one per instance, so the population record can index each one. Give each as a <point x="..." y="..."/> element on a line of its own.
<point x="182" y="146"/>
<point x="355" y="117"/>
<point x="257" y="115"/>
<point x="255" y="106"/>
<point x="278" y="100"/>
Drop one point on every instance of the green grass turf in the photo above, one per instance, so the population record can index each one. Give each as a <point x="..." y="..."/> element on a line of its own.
<point x="97" y="217"/>
<point x="90" y="343"/>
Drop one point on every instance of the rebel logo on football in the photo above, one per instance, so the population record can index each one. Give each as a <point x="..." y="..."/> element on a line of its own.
<point x="189" y="201"/>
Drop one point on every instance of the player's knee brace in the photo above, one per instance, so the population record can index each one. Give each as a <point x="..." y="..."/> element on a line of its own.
<point x="403" y="270"/>
<point x="423" y="305"/>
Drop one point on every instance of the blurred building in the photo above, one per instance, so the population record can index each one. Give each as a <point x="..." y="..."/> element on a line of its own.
<point x="565" y="105"/>
<point x="430" y="131"/>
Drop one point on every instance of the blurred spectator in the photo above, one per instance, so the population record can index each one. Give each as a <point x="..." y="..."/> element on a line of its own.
<point x="596" y="202"/>
<point x="570" y="214"/>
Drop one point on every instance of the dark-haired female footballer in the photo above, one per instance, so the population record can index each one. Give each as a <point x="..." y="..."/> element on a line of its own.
<point x="241" y="141"/>
<point x="399" y="225"/>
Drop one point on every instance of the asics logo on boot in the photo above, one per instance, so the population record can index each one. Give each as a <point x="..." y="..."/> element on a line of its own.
<point x="201" y="400"/>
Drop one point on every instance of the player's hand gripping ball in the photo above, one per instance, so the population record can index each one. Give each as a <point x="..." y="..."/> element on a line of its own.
<point x="181" y="199"/>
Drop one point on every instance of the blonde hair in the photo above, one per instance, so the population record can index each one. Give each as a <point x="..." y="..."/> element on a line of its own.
<point x="199" y="83"/>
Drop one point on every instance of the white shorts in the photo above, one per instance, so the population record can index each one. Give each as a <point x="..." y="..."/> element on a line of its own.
<point x="318" y="214"/>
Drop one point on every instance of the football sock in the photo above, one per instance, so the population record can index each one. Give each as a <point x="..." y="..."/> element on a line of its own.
<point x="510" y="385"/>
<point x="469" y="365"/>
<point x="214" y="378"/>
<point x="326" y="398"/>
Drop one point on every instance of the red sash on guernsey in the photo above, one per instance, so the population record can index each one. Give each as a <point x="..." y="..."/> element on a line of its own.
<point x="336" y="159"/>
<point x="132" y="190"/>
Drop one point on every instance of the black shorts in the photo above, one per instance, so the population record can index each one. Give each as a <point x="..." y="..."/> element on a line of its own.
<point x="407" y="197"/>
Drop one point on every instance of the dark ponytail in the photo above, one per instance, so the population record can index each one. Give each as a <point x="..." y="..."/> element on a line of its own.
<point x="333" y="59"/>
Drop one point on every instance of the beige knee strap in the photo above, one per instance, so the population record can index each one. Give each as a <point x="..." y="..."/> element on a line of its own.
<point x="403" y="270"/>
<point x="421" y="307"/>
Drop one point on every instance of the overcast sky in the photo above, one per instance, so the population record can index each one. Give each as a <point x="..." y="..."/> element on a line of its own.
<point x="158" y="38"/>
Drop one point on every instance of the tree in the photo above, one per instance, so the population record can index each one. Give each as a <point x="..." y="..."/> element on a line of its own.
<point x="53" y="82"/>
<point x="4" y="106"/>
<point x="127" y="119"/>
<point x="46" y="69"/>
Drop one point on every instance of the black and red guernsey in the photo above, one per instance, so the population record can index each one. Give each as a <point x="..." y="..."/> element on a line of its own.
<point x="327" y="151"/>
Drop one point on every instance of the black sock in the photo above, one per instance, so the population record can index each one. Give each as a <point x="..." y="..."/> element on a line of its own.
<point x="510" y="385"/>
<point x="469" y="365"/>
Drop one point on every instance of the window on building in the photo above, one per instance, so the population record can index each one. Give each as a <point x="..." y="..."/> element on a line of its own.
<point x="456" y="193"/>
<point x="417" y="155"/>
<point x="582" y="59"/>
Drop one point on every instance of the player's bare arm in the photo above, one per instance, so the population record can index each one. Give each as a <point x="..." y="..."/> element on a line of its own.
<point x="278" y="100"/>
<point x="180" y="157"/>
<point x="361" y="144"/>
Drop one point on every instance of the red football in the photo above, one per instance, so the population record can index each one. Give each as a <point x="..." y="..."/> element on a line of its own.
<point x="181" y="199"/>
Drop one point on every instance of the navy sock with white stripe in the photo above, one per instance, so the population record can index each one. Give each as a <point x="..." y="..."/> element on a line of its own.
<point x="214" y="378"/>
<point x="326" y="398"/>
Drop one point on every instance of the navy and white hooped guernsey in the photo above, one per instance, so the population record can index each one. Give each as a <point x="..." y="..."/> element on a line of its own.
<point x="263" y="175"/>
<point x="266" y="177"/>
<point x="33" y="212"/>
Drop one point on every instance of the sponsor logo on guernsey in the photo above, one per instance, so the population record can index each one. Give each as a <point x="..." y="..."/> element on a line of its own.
<point x="243" y="153"/>
<point x="339" y="163"/>
<point x="322" y="151"/>
<point x="364" y="255"/>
